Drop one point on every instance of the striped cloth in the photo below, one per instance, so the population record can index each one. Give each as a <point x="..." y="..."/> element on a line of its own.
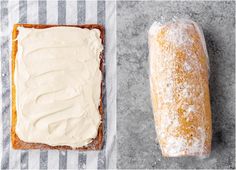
<point x="57" y="12"/>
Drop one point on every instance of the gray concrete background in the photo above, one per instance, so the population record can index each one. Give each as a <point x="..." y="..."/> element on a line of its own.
<point x="135" y="125"/>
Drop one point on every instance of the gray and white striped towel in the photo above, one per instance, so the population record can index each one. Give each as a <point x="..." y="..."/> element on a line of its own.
<point x="57" y="12"/>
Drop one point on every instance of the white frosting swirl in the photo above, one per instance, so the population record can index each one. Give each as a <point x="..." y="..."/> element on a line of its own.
<point x="58" y="85"/>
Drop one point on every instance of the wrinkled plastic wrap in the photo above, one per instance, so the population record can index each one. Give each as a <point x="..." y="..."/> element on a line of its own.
<point x="179" y="67"/>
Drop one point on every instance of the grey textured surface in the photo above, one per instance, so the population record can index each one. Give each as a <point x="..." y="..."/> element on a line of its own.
<point x="135" y="125"/>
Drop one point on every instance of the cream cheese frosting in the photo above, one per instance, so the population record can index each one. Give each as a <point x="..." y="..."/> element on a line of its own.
<point x="58" y="85"/>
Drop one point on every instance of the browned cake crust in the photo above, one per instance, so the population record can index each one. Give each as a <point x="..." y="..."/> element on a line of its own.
<point x="97" y="143"/>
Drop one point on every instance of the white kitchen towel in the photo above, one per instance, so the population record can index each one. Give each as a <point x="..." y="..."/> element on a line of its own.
<point x="58" y="12"/>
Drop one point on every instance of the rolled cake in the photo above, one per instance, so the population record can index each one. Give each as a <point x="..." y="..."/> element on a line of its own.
<point x="179" y="88"/>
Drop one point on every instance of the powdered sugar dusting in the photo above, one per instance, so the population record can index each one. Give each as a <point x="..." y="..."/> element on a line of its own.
<point x="187" y="67"/>
<point x="175" y="145"/>
<point x="190" y="109"/>
<point x="177" y="35"/>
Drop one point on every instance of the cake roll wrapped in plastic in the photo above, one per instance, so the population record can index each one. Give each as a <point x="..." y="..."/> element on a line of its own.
<point x="179" y="67"/>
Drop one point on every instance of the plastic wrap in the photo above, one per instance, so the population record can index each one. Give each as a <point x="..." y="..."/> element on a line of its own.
<point x="179" y="88"/>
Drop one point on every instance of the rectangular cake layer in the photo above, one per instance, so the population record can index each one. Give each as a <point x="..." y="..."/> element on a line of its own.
<point x="57" y="74"/>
